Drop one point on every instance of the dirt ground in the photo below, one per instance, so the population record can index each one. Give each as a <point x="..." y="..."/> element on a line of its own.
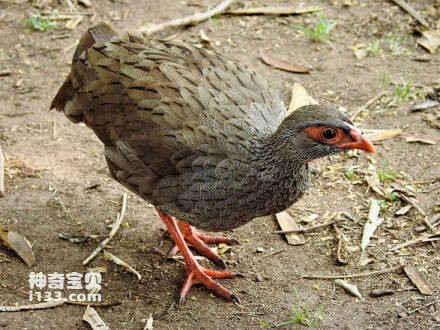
<point x="51" y="165"/>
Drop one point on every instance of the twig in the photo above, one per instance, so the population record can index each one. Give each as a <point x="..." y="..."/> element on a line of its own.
<point x="188" y="20"/>
<point x="273" y="252"/>
<point x="424" y="306"/>
<point x="43" y="305"/>
<point x="367" y="105"/>
<point x="341" y="239"/>
<point x="110" y="303"/>
<point x="2" y="173"/>
<point x="274" y="10"/>
<point x="304" y="230"/>
<point x="415" y="241"/>
<point x="410" y="10"/>
<point x="115" y="228"/>
<point x="5" y="73"/>
<point x="54" y="129"/>
<point x="333" y="277"/>
<point x="413" y="202"/>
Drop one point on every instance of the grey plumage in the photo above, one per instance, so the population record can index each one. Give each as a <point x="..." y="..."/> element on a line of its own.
<point x="198" y="135"/>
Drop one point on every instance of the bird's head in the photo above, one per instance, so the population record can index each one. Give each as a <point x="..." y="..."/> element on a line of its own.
<point x="315" y="131"/>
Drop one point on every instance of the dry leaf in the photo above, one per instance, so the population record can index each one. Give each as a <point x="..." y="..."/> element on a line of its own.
<point x="286" y="222"/>
<point x="415" y="277"/>
<point x="404" y="210"/>
<point x="19" y="244"/>
<point x="412" y="139"/>
<point x="430" y="40"/>
<point x="353" y="289"/>
<point x="122" y="263"/>
<point x="149" y="325"/>
<point x="432" y="119"/>
<point x="370" y="227"/>
<point x="94" y="320"/>
<point x="276" y="63"/>
<point x="373" y="182"/>
<point x="300" y="98"/>
<point x="381" y="135"/>
<point x="427" y="104"/>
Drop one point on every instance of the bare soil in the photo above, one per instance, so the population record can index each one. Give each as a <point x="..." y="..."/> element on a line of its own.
<point x="48" y="174"/>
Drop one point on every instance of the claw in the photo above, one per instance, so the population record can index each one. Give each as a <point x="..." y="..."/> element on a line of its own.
<point x="235" y="298"/>
<point x="196" y="274"/>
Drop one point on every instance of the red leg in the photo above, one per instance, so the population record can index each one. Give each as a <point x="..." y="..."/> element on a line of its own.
<point x="196" y="274"/>
<point x="198" y="240"/>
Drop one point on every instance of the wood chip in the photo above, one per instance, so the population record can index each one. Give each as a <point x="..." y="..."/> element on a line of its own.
<point x="279" y="64"/>
<point x="19" y="244"/>
<point x="286" y="222"/>
<point x="415" y="277"/>
<point x="94" y="320"/>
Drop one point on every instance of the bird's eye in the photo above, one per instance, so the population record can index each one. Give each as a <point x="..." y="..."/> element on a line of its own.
<point x="329" y="134"/>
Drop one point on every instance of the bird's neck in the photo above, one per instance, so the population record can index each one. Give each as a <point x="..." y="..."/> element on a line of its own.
<point x="277" y="158"/>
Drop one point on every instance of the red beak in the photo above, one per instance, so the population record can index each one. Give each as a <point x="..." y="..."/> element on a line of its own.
<point x="359" y="142"/>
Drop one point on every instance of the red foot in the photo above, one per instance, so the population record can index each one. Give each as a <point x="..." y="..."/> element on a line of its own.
<point x="196" y="274"/>
<point x="199" y="240"/>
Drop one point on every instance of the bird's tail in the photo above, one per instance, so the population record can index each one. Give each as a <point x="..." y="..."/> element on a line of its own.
<point x="65" y="98"/>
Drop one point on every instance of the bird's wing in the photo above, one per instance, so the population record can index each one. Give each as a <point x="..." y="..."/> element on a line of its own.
<point x="167" y="102"/>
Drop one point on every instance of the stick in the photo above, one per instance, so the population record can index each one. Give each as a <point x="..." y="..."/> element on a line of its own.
<point x="410" y="10"/>
<point x="415" y="241"/>
<point x="304" y="230"/>
<point x="367" y="105"/>
<point x="424" y="306"/>
<point x="188" y="20"/>
<point x="43" y="305"/>
<point x="115" y="228"/>
<point x="334" y="277"/>
<point x="2" y="173"/>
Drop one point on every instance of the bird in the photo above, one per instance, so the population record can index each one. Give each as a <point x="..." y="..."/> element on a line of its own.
<point x="202" y="137"/>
